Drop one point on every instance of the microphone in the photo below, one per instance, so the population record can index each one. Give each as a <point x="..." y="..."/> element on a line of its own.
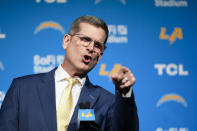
<point x="85" y="105"/>
<point x="86" y="118"/>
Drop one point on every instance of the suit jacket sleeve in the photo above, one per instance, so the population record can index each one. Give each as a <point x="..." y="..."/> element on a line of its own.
<point x="124" y="114"/>
<point x="9" y="110"/>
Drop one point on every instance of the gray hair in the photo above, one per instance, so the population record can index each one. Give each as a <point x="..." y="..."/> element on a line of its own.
<point x="93" y="20"/>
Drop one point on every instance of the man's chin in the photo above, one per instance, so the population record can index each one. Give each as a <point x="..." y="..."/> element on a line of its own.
<point x="85" y="68"/>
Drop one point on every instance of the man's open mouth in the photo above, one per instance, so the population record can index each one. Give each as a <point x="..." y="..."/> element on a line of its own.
<point x="86" y="59"/>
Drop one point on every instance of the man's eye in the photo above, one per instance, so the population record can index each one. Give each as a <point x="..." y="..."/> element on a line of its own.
<point x="97" y="45"/>
<point x="85" y="39"/>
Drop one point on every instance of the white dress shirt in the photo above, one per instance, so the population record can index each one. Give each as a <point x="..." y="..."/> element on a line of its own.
<point x="60" y="84"/>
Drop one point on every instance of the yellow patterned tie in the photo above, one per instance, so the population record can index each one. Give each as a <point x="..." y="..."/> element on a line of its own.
<point x="65" y="106"/>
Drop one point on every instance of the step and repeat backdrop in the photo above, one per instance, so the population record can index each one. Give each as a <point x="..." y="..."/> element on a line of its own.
<point x="156" y="39"/>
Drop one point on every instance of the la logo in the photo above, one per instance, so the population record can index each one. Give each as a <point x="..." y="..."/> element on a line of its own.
<point x="103" y="72"/>
<point x="177" y="34"/>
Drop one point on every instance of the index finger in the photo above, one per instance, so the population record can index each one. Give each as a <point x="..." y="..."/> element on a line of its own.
<point x="123" y="70"/>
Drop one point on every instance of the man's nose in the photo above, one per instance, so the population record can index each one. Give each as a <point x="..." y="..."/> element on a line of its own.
<point x="91" y="46"/>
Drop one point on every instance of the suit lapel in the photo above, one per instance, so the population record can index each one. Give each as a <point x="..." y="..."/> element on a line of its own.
<point x="46" y="91"/>
<point x="88" y="93"/>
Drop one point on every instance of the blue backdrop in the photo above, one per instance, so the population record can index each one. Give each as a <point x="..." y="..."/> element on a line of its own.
<point x="156" y="39"/>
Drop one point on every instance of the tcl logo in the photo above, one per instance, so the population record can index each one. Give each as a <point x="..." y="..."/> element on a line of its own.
<point x="171" y="69"/>
<point x="173" y="129"/>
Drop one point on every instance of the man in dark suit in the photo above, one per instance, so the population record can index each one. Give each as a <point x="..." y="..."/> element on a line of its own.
<point x="33" y="102"/>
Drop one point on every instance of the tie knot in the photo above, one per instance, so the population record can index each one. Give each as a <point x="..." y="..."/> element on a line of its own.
<point x="72" y="81"/>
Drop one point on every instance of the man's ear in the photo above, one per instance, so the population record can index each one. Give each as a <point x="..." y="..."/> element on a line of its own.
<point x="66" y="41"/>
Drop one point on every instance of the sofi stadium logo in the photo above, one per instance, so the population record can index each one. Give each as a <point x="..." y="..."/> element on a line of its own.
<point x="172" y="129"/>
<point x="104" y="72"/>
<point x="52" y="1"/>
<point x="171" y="69"/>
<point x="176" y="34"/>
<point x="2" y="95"/>
<point x="172" y="98"/>
<point x="49" y="25"/>
<point x="171" y="3"/>
<point x="2" y="35"/>
<point x="118" y="34"/>
<point x="47" y="63"/>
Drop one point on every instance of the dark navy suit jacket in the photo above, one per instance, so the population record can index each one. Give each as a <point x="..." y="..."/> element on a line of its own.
<point x="29" y="105"/>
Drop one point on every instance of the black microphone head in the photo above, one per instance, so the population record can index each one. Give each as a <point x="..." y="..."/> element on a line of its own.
<point x="85" y="105"/>
<point x="81" y="105"/>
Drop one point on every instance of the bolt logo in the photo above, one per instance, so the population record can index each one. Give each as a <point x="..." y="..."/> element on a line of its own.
<point x="51" y="25"/>
<point x="2" y="95"/>
<point x="88" y="115"/>
<point x="177" y="34"/>
<point x="52" y="1"/>
<point x="1" y="66"/>
<point x="172" y="97"/>
<point x="171" y="69"/>
<point x="103" y="72"/>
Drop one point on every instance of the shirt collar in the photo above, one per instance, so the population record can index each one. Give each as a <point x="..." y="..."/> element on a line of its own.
<point x="61" y="74"/>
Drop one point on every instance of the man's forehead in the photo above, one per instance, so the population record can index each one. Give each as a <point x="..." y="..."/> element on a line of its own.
<point x="82" y="24"/>
<point x="92" y="31"/>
